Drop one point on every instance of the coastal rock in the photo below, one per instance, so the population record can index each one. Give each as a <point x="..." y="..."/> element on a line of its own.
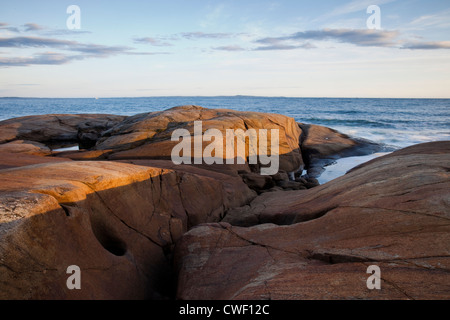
<point x="25" y="147"/>
<point x="257" y="182"/>
<point x="54" y="127"/>
<point x="322" y="141"/>
<point x="291" y="185"/>
<point x="148" y="136"/>
<point x="10" y="160"/>
<point x="117" y="222"/>
<point x="322" y="145"/>
<point x="281" y="176"/>
<point x="120" y="218"/>
<point x="393" y="212"/>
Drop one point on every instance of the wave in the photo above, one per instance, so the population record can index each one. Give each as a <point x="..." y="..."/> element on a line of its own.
<point x="349" y="123"/>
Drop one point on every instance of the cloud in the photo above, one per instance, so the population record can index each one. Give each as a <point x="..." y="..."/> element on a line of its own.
<point x="27" y="42"/>
<point x="134" y="53"/>
<point x="230" y="48"/>
<point x="202" y="35"/>
<point x="427" y="45"/>
<point x="48" y="58"/>
<point x="43" y="31"/>
<point x="89" y="49"/>
<point x="285" y="47"/>
<point x="32" y="27"/>
<point x="163" y="41"/>
<point x="354" y="6"/>
<point x="213" y="16"/>
<point x="438" y="20"/>
<point x="79" y="51"/>
<point x="152" y="41"/>
<point x="100" y="50"/>
<point x="359" y="37"/>
<point x="4" y="26"/>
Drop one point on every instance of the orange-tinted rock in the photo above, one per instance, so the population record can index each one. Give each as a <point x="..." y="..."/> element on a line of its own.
<point x="148" y="136"/>
<point x="14" y="160"/>
<point x="25" y="147"/>
<point x="54" y="128"/>
<point x="83" y="154"/>
<point x="116" y="221"/>
<point x="393" y="212"/>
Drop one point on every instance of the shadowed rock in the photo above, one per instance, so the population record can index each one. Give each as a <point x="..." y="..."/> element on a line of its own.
<point x="54" y="128"/>
<point x="116" y="221"/>
<point x="321" y="146"/>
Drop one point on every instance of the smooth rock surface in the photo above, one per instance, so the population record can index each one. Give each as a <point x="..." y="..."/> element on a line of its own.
<point x="148" y="136"/>
<point x="54" y="127"/>
<point x="116" y="221"/>
<point x="393" y="212"/>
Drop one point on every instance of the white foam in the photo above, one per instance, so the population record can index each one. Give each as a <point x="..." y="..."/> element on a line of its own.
<point x="341" y="166"/>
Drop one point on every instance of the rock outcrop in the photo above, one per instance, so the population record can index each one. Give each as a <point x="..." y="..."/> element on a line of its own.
<point x="393" y="212"/>
<point x="20" y="153"/>
<point x="148" y="136"/>
<point x="56" y="128"/>
<point x="322" y="145"/>
<point x="141" y="227"/>
<point x="116" y="221"/>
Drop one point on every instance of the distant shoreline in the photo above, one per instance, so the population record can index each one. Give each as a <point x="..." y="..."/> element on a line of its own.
<point x="226" y="96"/>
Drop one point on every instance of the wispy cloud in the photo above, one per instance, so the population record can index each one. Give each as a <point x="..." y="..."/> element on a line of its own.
<point x="427" y="45"/>
<point x="79" y="51"/>
<point x="359" y="37"/>
<point x="26" y="42"/>
<point x="285" y="47"/>
<point x="437" y="20"/>
<point x="7" y="27"/>
<point x="166" y="41"/>
<point x="41" y="30"/>
<point x="37" y="42"/>
<point x="213" y="16"/>
<point x="202" y="35"/>
<point x="48" y="58"/>
<point x="229" y="48"/>
<point x="354" y="6"/>
<point x="152" y="41"/>
<point x="33" y="27"/>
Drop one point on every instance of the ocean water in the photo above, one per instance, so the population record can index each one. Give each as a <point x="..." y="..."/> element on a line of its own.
<point x="397" y="123"/>
<point x="394" y="122"/>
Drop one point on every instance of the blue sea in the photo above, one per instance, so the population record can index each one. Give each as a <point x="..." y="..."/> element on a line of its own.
<point x="394" y="122"/>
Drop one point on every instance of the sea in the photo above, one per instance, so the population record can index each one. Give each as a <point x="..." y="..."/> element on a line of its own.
<point x="394" y="123"/>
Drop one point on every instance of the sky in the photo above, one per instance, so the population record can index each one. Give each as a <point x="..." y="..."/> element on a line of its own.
<point x="289" y="48"/>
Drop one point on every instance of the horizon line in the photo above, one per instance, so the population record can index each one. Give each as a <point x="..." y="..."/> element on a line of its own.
<point x="224" y="96"/>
